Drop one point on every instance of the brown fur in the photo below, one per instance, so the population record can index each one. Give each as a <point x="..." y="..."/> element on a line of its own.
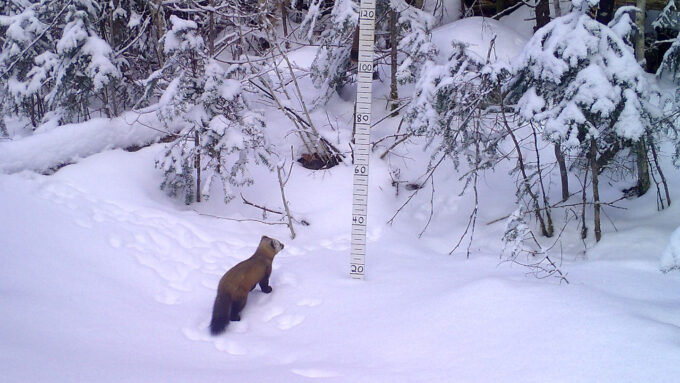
<point x="233" y="289"/>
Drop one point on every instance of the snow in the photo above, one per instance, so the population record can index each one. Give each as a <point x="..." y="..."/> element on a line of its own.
<point x="50" y="148"/>
<point x="530" y="103"/>
<point x="670" y="260"/>
<point x="477" y="32"/>
<point x="74" y="34"/>
<point x="577" y="63"/>
<point x="115" y="282"/>
<point x="135" y="20"/>
<point x="100" y="68"/>
<point x="107" y="279"/>
<point x="450" y="9"/>
<point x="181" y="36"/>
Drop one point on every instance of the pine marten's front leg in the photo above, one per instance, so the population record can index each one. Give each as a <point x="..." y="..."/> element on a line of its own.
<point x="264" y="282"/>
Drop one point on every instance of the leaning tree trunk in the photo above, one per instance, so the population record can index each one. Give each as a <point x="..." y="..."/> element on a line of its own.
<point x="394" y="91"/>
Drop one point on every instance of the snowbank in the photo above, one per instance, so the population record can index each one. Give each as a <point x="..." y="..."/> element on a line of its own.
<point x="107" y="280"/>
<point x="670" y="260"/>
<point x="477" y="32"/>
<point x="50" y="148"/>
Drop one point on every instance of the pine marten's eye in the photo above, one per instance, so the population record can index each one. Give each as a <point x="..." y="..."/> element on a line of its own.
<point x="273" y="244"/>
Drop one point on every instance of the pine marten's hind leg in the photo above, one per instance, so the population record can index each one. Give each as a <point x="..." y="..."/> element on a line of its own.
<point x="236" y="308"/>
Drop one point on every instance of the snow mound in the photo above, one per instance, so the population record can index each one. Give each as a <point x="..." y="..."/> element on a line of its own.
<point x="50" y="148"/>
<point x="670" y="260"/>
<point x="478" y="32"/>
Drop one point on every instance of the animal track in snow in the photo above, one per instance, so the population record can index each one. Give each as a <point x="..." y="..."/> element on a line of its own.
<point x="115" y="242"/>
<point x="272" y="312"/>
<point x="314" y="373"/>
<point x="194" y="334"/>
<point x="288" y="279"/>
<point x="84" y="223"/>
<point x="238" y="327"/>
<point x="167" y="297"/>
<point x="287" y="322"/>
<point x="230" y="346"/>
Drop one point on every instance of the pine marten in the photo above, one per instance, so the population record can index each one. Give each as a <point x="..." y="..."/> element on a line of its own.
<point x="234" y="286"/>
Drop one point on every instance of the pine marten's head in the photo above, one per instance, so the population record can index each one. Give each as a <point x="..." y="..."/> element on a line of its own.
<point x="270" y="246"/>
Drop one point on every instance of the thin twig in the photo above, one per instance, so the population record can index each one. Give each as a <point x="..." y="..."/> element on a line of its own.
<point x="240" y="219"/>
<point x="429" y="219"/>
<point x="263" y="208"/>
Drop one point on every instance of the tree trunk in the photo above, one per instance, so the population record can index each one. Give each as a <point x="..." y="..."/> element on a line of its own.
<point x="3" y="128"/>
<point x="640" y="147"/>
<point x="655" y="157"/>
<point x="394" y="90"/>
<point x="500" y="6"/>
<point x="526" y="183"/>
<point x="643" y="182"/>
<point x="284" y="22"/>
<point x="211" y="30"/>
<point x="640" y="39"/>
<point x="584" y="202"/>
<point x="198" y="165"/>
<point x="558" y="8"/>
<point x="159" y="21"/>
<point x="546" y="205"/>
<point x="564" y="176"/>
<point x="596" y="191"/>
<point x="606" y="11"/>
<point x="542" y="14"/>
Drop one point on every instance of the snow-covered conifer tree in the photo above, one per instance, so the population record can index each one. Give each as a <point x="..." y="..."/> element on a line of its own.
<point x="580" y="81"/>
<point x="219" y="135"/>
<point x="128" y="27"/>
<point x="668" y="24"/>
<point x="25" y="61"/>
<point x="329" y="69"/>
<point x="84" y="63"/>
<point x="415" y="43"/>
<point x="446" y="99"/>
<point x="669" y="21"/>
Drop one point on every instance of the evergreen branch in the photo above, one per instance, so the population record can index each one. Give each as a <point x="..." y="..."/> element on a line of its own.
<point x="54" y="22"/>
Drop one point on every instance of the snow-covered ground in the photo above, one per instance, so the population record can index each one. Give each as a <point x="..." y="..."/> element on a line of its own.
<point x="103" y="278"/>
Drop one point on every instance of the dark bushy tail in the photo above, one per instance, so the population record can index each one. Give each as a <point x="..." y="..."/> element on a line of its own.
<point x="221" y="314"/>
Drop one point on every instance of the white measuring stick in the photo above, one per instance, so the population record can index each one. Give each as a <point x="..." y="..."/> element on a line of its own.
<point x="362" y="138"/>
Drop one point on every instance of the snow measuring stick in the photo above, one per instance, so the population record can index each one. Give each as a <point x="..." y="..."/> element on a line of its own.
<point x="362" y="138"/>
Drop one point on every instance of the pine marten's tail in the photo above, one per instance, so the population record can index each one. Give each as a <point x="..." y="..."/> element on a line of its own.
<point x="221" y="314"/>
